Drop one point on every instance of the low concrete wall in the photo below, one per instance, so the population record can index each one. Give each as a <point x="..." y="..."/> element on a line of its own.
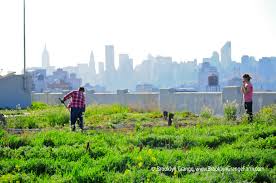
<point x="261" y="99"/>
<point x="169" y="100"/>
<point x="140" y="102"/>
<point x="48" y="98"/>
<point x="137" y="101"/>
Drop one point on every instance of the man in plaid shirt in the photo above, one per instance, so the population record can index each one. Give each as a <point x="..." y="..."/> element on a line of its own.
<point x="77" y="105"/>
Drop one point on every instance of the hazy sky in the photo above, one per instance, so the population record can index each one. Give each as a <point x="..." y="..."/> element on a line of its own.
<point x="183" y="29"/>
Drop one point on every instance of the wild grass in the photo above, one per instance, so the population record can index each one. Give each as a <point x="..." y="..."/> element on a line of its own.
<point x="230" y="110"/>
<point x="59" y="155"/>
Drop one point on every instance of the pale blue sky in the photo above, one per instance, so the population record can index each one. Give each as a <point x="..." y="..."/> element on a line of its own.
<point x="183" y="29"/>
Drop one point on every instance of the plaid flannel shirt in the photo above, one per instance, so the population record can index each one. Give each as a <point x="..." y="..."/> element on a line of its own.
<point x="77" y="99"/>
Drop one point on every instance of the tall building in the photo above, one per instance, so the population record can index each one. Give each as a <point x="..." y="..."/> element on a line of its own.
<point x="84" y="73"/>
<point x="101" y="68"/>
<point x="226" y="58"/>
<point x="125" y="72"/>
<point x="125" y="63"/>
<point x="45" y="58"/>
<point x="215" y="59"/>
<point x="109" y="58"/>
<point x="92" y="64"/>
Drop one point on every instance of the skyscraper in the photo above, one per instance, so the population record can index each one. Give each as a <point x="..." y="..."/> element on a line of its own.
<point x="125" y="72"/>
<point x="109" y="58"/>
<point x="125" y="63"/>
<point x="101" y="68"/>
<point x="226" y="54"/>
<point x="92" y="64"/>
<point x="215" y="58"/>
<point x="45" y="58"/>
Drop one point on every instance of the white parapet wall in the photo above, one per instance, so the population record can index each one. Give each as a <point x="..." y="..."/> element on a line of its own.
<point x="168" y="100"/>
<point x="137" y="101"/>
<point x="261" y="99"/>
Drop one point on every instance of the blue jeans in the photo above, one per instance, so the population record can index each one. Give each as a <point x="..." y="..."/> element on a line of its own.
<point x="77" y="113"/>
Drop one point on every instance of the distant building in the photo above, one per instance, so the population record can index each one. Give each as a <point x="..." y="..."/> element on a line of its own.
<point x="245" y="60"/>
<point x="125" y="72"/>
<point x="71" y="69"/>
<point x="125" y="63"/>
<point x="215" y="59"/>
<point x="92" y="65"/>
<point x="58" y="81"/>
<point x="101" y="68"/>
<point x="59" y="85"/>
<point x="96" y="88"/>
<point x="236" y="81"/>
<point x="46" y="62"/>
<point x="13" y="92"/>
<point x="266" y="69"/>
<point x="39" y="83"/>
<point x="205" y="71"/>
<point x="163" y="72"/>
<point x="74" y="82"/>
<point x="146" y="88"/>
<point x="45" y="58"/>
<point x="144" y="71"/>
<point x="60" y="74"/>
<point x="84" y="72"/>
<point x="226" y="58"/>
<point x="110" y="75"/>
<point x="109" y="58"/>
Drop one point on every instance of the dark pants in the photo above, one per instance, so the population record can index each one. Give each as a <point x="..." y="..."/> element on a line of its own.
<point x="248" y="109"/>
<point x="76" y="113"/>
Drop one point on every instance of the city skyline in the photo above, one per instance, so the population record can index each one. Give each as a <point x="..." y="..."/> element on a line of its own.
<point x="185" y="30"/>
<point x="223" y="57"/>
<point x="155" y="72"/>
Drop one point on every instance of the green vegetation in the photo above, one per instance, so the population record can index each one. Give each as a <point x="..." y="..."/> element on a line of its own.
<point x="206" y="112"/>
<point x="230" y="110"/>
<point x="138" y="153"/>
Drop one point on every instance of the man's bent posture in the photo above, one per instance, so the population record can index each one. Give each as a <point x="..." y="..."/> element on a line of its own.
<point x="77" y="105"/>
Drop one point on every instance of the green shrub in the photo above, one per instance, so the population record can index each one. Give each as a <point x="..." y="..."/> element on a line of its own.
<point x="154" y="141"/>
<point x="105" y="109"/>
<point x="244" y="119"/>
<point x="266" y="115"/>
<point x="57" y="118"/>
<point x="48" y="142"/>
<point x="97" y="152"/>
<point x="38" y="106"/>
<point x="138" y="126"/>
<point x="185" y="114"/>
<point x="206" y="112"/>
<point x="40" y="166"/>
<point x="14" y="142"/>
<point x="89" y="174"/>
<point x="230" y="110"/>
